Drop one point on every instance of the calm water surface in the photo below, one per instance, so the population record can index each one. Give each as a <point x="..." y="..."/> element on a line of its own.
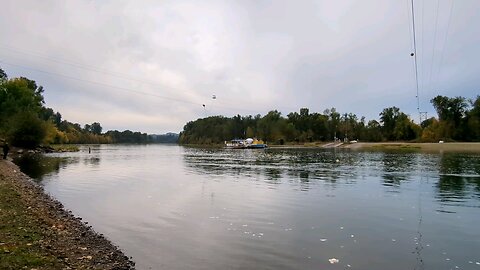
<point x="171" y="207"/>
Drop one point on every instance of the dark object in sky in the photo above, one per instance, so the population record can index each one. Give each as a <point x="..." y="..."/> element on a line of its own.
<point x="412" y="54"/>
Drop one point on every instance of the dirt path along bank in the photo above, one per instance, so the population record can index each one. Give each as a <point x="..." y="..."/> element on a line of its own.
<point x="36" y="232"/>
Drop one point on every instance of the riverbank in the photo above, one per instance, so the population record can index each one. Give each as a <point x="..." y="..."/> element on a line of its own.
<point x="372" y="146"/>
<point x="427" y="147"/>
<point x="36" y="232"/>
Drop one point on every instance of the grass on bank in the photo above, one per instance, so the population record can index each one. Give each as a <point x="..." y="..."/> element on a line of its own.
<point x="65" y="148"/>
<point x="20" y="234"/>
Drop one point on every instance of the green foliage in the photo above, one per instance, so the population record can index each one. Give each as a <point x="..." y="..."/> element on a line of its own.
<point x="27" y="130"/>
<point x="472" y="121"/>
<point x="127" y="136"/>
<point x="3" y="75"/>
<point x="456" y="122"/>
<point x="373" y="131"/>
<point x="19" y="95"/>
<point x="27" y="122"/>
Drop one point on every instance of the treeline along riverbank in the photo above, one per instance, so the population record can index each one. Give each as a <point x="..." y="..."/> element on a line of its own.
<point x="36" y="232"/>
<point x="458" y="120"/>
<point x="25" y="121"/>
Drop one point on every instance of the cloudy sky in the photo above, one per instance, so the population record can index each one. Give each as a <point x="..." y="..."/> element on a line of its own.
<point x="151" y="65"/>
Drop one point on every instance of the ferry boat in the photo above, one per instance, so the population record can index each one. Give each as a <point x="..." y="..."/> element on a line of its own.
<point x="245" y="144"/>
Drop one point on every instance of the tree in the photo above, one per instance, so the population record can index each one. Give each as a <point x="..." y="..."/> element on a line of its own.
<point x="473" y="121"/>
<point x="268" y="126"/>
<point x="27" y="130"/>
<point x="374" y="131"/>
<point x="249" y="132"/>
<point x="3" y="75"/>
<point x="405" y="129"/>
<point x="451" y="111"/>
<point x="20" y="95"/>
<point x="388" y="118"/>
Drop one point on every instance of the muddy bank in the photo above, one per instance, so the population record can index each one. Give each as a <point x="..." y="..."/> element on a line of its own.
<point x="37" y="232"/>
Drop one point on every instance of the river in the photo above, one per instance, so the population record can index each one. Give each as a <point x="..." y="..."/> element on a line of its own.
<point x="174" y="207"/>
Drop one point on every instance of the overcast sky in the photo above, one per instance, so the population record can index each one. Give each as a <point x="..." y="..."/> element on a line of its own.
<point x="151" y="65"/>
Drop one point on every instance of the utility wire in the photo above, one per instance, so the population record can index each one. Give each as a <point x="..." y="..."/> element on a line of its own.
<point x="98" y="83"/>
<point x="106" y="72"/>
<point x="433" y="45"/>
<point x="423" y="47"/>
<point x="84" y="67"/>
<point x="229" y="104"/>
<point x="445" y="41"/>
<point x="415" y="56"/>
<point x="122" y="88"/>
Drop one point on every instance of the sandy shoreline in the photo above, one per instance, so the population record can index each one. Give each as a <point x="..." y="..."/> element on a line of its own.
<point x="36" y="231"/>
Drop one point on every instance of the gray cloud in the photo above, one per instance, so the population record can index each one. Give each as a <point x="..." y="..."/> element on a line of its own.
<point x="253" y="55"/>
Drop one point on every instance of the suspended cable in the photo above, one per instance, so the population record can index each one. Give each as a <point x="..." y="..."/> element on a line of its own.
<point x="98" y="83"/>
<point x="445" y="41"/>
<point x="84" y="67"/>
<point x="106" y="72"/>
<point x="433" y="45"/>
<point x="414" y="54"/>
<point x="423" y="48"/>
<point x="123" y="88"/>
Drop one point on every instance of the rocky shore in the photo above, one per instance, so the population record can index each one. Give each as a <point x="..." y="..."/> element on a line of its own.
<point x="37" y="232"/>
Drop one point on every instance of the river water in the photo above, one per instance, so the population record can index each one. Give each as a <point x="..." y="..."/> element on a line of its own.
<point x="173" y="207"/>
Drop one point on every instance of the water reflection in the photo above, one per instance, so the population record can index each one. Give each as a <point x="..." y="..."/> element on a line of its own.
<point x="306" y="166"/>
<point x="459" y="178"/>
<point x="37" y="166"/>
<point x="276" y="209"/>
<point x="397" y="168"/>
<point x="459" y="174"/>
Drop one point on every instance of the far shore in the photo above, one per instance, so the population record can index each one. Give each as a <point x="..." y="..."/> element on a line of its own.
<point x="427" y="147"/>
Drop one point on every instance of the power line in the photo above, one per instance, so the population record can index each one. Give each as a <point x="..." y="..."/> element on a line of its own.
<point x="105" y="72"/>
<point x="98" y="83"/>
<point x="84" y="67"/>
<point x="433" y="45"/>
<point x="123" y="88"/>
<point x="228" y="104"/>
<point x="423" y="46"/>
<point x="445" y="40"/>
<point x="415" y="56"/>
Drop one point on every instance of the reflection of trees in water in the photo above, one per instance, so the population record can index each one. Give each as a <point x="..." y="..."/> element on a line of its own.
<point x="453" y="163"/>
<point x="273" y="174"/>
<point x="397" y="167"/>
<point x="304" y="166"/>
<point x="37" y="165"/>
<point x="94" y="161"/>
<point x="459" y="178"/>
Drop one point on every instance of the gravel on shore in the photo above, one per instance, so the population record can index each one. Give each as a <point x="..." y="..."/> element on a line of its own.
<point x="37" y="232"/>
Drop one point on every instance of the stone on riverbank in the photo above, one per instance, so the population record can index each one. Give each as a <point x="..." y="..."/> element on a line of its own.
<point x="37" y="232"/>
